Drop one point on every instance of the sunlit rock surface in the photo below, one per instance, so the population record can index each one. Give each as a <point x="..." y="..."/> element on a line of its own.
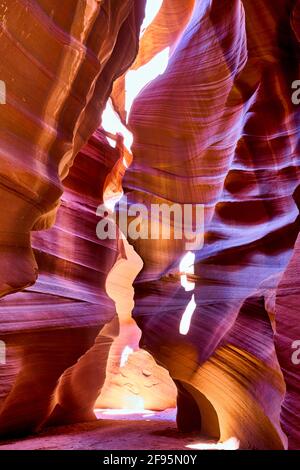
<point x="59" y="64"/>
<point x="48" y="327"/>
<point x="218" y="127"/>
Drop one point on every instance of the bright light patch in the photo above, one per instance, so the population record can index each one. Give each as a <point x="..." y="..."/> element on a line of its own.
<point x="123" y="412"/>
<point x="110" y="201"/>
<point x="152" y="8"/>
<point x="148" y="414"/>
<point x="136" y="80"/>
<point x="187" y="317"/>
<point x="231" y="444"/>
<point x="186" y="266"/>
<point x="134" y="402"/>
<point x="125" y="355"/>
<point x="113" y="124"/>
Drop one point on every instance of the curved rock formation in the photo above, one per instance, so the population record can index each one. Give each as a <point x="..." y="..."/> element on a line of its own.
<point x="49" y="326"/>
<point x="59" y="64"/>
<point x="219" y="128"/>
<point x="287" y="342"/>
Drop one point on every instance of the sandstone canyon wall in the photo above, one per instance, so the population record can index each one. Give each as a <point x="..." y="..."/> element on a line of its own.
<point x="58" y="64"/>
<point x="217" y="128"/>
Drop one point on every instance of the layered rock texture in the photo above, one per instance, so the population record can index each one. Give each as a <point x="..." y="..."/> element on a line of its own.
<point x="218" y="128"/>
<point x="58" y="64"/>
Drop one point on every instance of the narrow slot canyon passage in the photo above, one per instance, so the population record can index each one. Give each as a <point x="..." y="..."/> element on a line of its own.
<point x="149" y="226"/>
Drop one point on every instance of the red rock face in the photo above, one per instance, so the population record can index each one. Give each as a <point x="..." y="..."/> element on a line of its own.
<point x="59" y="64"/>
<point x="219" y="128"/>
<point x="50" y="326"/>
<point x="288" y="345"/>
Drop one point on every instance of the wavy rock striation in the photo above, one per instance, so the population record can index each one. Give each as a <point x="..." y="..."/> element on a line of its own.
<point x="219" y="128"/>
<point x="59" y="64"/>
